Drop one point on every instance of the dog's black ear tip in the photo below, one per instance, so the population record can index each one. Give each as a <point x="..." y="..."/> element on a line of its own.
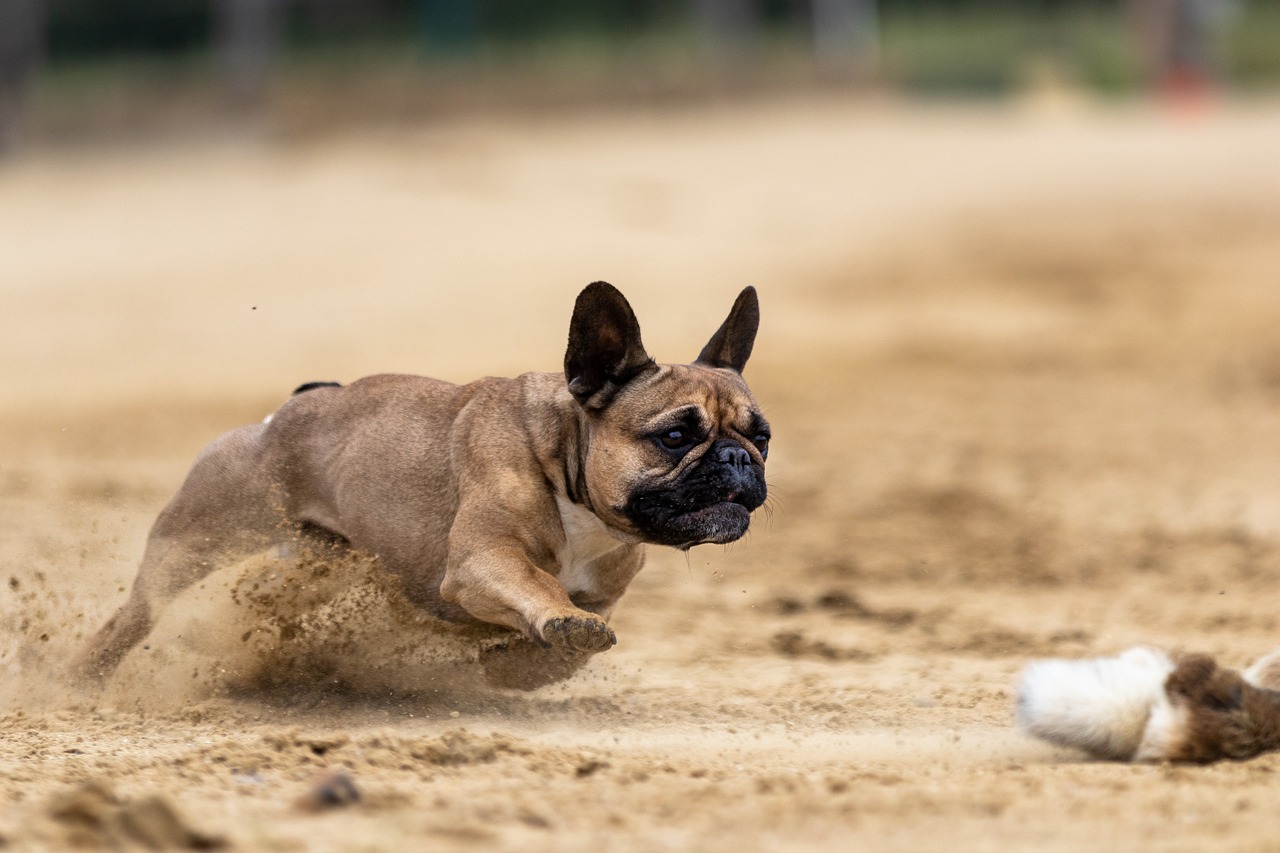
<point x="601" y="296"/>
<point x="731" y="345"/>
<point x="605" y="350"/>
<point x="598" y="290"/>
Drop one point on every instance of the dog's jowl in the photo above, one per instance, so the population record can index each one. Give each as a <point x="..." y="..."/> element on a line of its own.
<point x="522" y="503"/>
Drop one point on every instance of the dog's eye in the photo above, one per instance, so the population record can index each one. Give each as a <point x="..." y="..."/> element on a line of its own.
<point x="674" y="439"/>
<point x="761" y="442"/>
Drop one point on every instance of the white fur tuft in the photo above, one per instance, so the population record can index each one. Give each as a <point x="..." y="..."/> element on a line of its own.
<point x="1265" y="672"/>
<point x="1102" y="706"/>
<point x="1165" y="730"/>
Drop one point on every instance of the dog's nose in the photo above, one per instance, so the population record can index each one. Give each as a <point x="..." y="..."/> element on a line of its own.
<point x="732" y="453"/>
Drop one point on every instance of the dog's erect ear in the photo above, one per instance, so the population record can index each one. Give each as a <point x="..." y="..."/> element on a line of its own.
<point x="605" y="351"/>
<point x="731" y="345"/>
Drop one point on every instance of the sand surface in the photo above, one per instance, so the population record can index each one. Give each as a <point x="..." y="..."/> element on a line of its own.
<point x="1024" y="376"/>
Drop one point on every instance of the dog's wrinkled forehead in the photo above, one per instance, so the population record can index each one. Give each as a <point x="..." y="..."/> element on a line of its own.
<point x="692" y="395"/>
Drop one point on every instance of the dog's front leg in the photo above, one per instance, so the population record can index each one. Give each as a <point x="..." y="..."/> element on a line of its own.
<point x="497" y="582"/>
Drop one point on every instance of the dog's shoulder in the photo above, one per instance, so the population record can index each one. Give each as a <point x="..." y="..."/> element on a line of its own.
<point x="516" y="421"/>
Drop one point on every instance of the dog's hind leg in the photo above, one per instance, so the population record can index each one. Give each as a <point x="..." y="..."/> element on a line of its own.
<point x="227" y="509"/>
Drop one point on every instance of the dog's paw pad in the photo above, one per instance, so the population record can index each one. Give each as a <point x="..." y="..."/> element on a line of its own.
<point x="576" y="632"/>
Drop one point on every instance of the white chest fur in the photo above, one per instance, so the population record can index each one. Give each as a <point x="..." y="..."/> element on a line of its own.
<point x="586" y="539"/>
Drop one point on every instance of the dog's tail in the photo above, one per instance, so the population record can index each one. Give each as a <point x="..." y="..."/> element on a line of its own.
<point x="311" y="386"/>
<point x="302" y="389"/>
<point x="1148" y="705"/>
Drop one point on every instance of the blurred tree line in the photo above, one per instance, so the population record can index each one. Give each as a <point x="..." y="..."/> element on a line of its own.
<point x="73" y="30"/>
<point x="921" y="45"/>
<point x="88" y="29"/>
<point x="95" y="28"/>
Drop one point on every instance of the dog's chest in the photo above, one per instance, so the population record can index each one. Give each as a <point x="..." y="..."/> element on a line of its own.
<point x="586" y="539"/>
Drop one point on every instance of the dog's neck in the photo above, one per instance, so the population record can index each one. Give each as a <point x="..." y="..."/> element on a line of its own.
<point x="561" y="434"/>
<point x="565" y="465"/>
<point x="577" y="446"/>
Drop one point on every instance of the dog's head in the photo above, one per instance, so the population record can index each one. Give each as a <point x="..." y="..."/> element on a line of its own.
<point x="675" y="453"/>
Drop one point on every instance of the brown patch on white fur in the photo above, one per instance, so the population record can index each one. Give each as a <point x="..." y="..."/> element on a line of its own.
<point x="1222" y="714"/>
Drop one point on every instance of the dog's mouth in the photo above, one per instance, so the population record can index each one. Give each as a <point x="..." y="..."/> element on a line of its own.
<point x="730" y="504"/>
<point x="721" y="522"/>
<point x="718" y="520"/>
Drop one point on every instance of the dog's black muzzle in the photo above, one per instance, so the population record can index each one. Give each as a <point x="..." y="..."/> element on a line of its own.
<point x="710" y="504"/>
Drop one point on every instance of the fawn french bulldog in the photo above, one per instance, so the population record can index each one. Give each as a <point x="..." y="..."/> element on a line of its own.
<point x="523" y="503"/>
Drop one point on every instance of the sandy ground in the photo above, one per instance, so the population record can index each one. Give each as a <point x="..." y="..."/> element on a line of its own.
<point x="1024" y="377"/>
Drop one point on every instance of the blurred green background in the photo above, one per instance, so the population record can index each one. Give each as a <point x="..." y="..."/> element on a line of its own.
<point x="72" y="66"/>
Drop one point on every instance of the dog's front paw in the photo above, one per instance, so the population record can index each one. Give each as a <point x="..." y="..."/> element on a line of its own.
<point x="583" y="633"/>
